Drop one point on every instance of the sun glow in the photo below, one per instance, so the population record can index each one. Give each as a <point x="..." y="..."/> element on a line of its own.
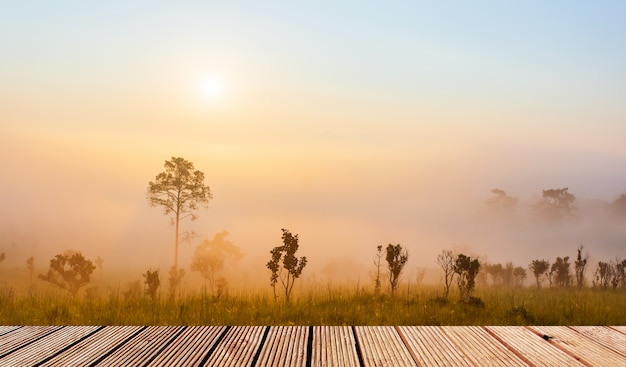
<point x="212" y="88"/>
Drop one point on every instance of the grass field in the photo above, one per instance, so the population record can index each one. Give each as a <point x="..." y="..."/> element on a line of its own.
<point x="316" y="306"/>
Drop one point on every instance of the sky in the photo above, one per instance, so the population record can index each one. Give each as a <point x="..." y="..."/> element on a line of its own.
<point x="352" y="123"/>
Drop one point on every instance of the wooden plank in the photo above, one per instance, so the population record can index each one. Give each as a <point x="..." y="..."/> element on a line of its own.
<point x="285" y="346"/>
<point x="606" y="336"/>
<point x="334" y="346"/>
<point x="621" y="329"/>
<point x="481" y="348"/>
<point x="47" y="346"/>
<point x="382" y="346"/>
<point x="532" y="347"/>
<point x="238" y="347"/>
<point x="189" y="348"/>
<point x="431" y="347"/>
<point x="580" y="346"/>
<point x="6" y="329"/>
<point x="144" y="347"/>
<point x="23" y="336"/>
<point x="92" y="348"/>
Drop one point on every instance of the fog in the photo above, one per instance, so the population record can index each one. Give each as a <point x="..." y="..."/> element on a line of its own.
<point x="72" y="195"/>
<point x="351" y="125"/>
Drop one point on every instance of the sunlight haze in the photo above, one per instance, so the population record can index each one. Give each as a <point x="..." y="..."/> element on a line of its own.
<point x="353" y="124"/>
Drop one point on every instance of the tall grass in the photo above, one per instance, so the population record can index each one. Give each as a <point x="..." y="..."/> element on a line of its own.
<point x="331" y="305"/>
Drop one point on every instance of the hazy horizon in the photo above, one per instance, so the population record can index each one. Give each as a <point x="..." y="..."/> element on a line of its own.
<point x="353" y="125"/>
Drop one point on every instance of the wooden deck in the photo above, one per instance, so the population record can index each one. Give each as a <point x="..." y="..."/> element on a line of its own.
<point x="304" y="346"/>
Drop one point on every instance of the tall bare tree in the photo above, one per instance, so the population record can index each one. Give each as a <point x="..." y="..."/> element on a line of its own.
<point x="446" y="260"/>
<point x="179" y="190"/>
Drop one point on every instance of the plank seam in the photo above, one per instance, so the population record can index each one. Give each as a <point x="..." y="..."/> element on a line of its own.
<point x="358" y="347"/>
<point x="165" y="345"/>
<point x="619" y="331"/>
<point x="509" y="347"/>
<point x="12" y="330"/>
<point x="64" y="349"/>
<point x="113" y="349"/>
<point x="309" y="347"/>
<point x="408" y="347"/>
<point x="559" y="347"/>
<point x="457" y="346"/>
<point x="30" y="342"/>
<point x="257" y="355"/>
<point x="214" y="346"/>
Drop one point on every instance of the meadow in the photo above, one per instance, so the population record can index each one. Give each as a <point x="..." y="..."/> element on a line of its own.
<point x="329" y="305"/>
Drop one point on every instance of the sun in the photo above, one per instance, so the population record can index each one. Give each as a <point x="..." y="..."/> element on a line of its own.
<point x="212" y="88"/>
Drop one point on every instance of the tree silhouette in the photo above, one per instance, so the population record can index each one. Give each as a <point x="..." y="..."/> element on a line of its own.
<point x="291" y="268"/>
<point x="179" y="190"/>
<point x="603" y="275"/>
<point x="561" y="272"/>
<point x="446" y="260"/>
<point x="466" y="269"/>
<point x="555" y="204"/>
<point x="2" y="256"/>
<point x="500" y="200"/>
<point x="519" y="274"/>
<point x="579" y="267"/>
<point x="210" y="256"/>
<point x="378" y="264"/>
<point x="396" y="260"/>
<point x="539" y="268"/>
<point x="69" y="271"/>
<point x="151" y="279"/>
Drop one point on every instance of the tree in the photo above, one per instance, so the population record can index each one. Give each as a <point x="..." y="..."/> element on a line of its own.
<point x="555" y="204"/>
<point x="179" y="190"/>
<point x="539" y="268"/>
<point x="175" y="278"/>
<point x="30" y="265"/>
<point x="152" y="282"/>
<point x="378" y="264"/>
<point x="466" y="270"/>
<point x="2" y="256"/>
<point x="396" y="259"/>
<point x="291" y="268"/>
<point x="500" y="200"/>
<point x="496" y="271"/>
<point x="579" y="267"/>
<point x="619" y="273"/>
<point x="210" y="256"/>
<point x="603" y="275"/>
<point x="446" y="260"/>
<point x="507" y="274"/>
<point x="561" y="272"/>
<point x="519" y="274"/>
<point x="70" y="271"/>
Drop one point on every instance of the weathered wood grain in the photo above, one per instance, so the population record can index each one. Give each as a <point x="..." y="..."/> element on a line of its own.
<point x="580" y="346"/>
<point x="47" y="347"/>
<point x="189" y="348"/>
<point x="21" y="337"/>
<point x="6" y="329"/>
<point x="537" y="350"/>
<point x="482" y="348"/>
<point x="431" y="347"/>
<point x="320" y="346"/>
<point x="382" y="346"/>
<point x="142" y="348"/>
<point x="606" y="336"/>
<point x="90" y="349"/>
<point x="238" y="347"/>
<point x="334" y="346"/>
<point x="285" y="346"/>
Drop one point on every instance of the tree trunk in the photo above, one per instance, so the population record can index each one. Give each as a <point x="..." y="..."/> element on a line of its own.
<point x="176" y="244"/>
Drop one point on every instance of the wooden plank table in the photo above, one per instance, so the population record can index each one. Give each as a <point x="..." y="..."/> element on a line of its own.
<point x="313" y="346"/>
